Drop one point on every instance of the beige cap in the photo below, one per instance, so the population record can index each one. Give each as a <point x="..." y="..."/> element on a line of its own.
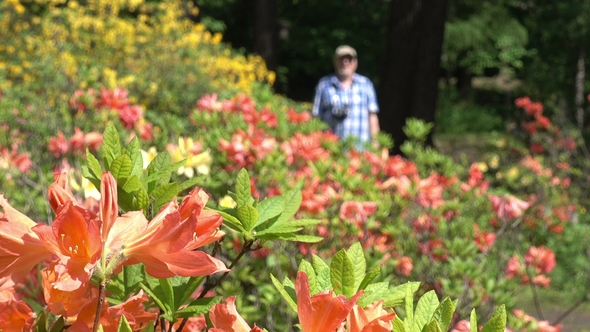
<point x="343" y="50"/>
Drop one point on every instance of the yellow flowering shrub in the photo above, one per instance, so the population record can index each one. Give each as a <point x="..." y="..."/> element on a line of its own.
<point x="151" y="49"/>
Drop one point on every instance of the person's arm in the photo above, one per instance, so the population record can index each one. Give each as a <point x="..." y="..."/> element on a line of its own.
<point x="317" y="102"/>
<point x="373" y="110"/>
<point x="374" y="125"/>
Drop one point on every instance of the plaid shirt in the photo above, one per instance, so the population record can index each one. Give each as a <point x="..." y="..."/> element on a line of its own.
<point x="359" y="100"/>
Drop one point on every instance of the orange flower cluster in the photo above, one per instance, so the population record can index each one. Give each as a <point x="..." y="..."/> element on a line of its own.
<point x="130" y="115"/>
<point x="80" y="244"/>
<point x="538" y="260"/>
<point x="59" y="146"/>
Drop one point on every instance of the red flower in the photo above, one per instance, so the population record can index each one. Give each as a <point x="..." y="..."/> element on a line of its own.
<point x="58" y="145"/>
<point x="541" y="258"/>
<point x="405" y="266"/>
<point x="543" y="122"/>
<point x="295" y="117"/>
<point x="537" y="148"/>
<point x="513" y="267"/>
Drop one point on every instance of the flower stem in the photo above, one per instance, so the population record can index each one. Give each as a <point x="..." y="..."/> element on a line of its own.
<point x="101" y="289"/>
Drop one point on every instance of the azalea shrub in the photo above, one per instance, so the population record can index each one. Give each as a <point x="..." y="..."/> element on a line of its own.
<point x="101" y="264"/>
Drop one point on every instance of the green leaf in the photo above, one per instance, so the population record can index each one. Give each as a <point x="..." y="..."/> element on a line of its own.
<point x="269" y="208"/>
<point x="306" y="267"/>
<point x="168" y="293"/>
<point x="59" y="325"/>
<point x="292" y="203"/>
<point x="159" y="170"/>
<point x="398" y="325"/>
<point x="243" y="191"/>
<point x="142" y="200"/>
<point x="444" y="314"/>
<point x="132" y="184"/>
<point x="198" y="307"/>
<point x="373" y="292"/>
<point x="124" y="325"/>
<point x="231" y="221"/>
<point x="397" y="295"/>
<point x="425" y="308"/>
<point x="40" y="324"/>
<point x="497" y="322"/>
<point x="93" y="170"/>
<point x="248" y="215"/>
<point x="409" y="305"/>
<point x="164" y="194"/>
<point x="298" y="222"/>
<point x="121" y="167"/>
<point x="473" y="321"/>
<point x="190" y="183"/>
<point x="111" y="145"/>
<point x="432" y="327"/>
<point x="133" y="152"/>
<point x="159" y="299"/>
<point x="290" y="300"/>
<point x="277" y="230"/>
<point x="290" y="237"/>
<point x="357" y="256"/>
<point x="132" y="276"/>
<point x="373" y="273"/>
<point x="322" y="271"/>
<point x="183" y="292"/>
<point x="342" y="274"/>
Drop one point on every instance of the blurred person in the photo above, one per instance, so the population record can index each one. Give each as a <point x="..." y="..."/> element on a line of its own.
<point x="346" y="101"/>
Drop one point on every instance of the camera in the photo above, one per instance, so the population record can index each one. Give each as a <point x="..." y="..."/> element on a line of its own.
<point x="340" y="112"/>
<point x="340" y="106"/>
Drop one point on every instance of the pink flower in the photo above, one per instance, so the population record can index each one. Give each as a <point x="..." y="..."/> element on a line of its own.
<point x="462" y="326"/>
<point x="508" y="206"/>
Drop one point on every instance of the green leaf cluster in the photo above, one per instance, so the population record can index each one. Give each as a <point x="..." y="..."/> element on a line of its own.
<point x="137" y="189"/>
<point x="269" y="219"/>
<point x="347" y="274"/>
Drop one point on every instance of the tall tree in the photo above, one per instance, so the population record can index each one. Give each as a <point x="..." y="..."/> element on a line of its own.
<point x="409" y="85"/>
<point x="266" y="31"/>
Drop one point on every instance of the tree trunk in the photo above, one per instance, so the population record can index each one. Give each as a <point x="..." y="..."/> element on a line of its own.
<point x="580" y="76"/>
<point x="266" y="31"/>
<point x="409" y="85"/>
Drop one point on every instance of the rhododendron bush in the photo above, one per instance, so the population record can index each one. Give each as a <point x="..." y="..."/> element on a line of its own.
<point x="135" y="259"/>
<point x="424" y="219"/>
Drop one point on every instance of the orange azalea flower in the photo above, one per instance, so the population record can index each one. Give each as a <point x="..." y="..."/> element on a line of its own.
<point x="225" y="318"/>
<point x="20" y="247"/>
<point x="75" y="238"/>
<point x="372" y="319"/>
<point x="166" y="244"/>
<point x="541" y="258"/>
<point x="132" y="309"/>
<point x="58" y="192"/>
<point x="321" y="312"/>
<point x="16" y="316"/>
<point x="66" y="303"/>
<point x="405" y="266"/>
